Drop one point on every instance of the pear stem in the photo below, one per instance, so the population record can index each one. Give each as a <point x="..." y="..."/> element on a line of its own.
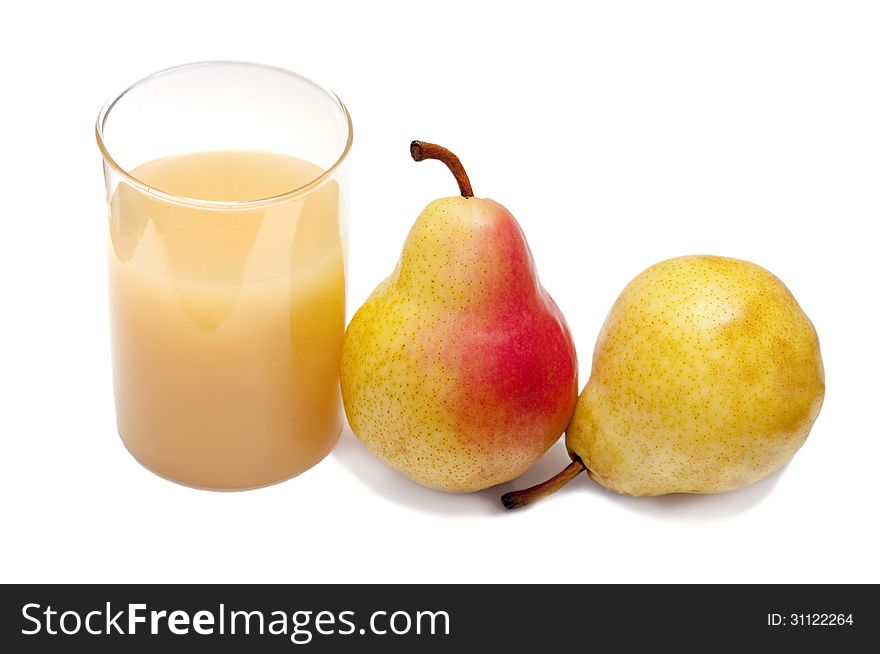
<point x="421" y="150"/>
<point x="517" y="499"/>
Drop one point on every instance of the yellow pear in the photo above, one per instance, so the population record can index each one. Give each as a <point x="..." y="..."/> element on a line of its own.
<point x="707" y="376"/>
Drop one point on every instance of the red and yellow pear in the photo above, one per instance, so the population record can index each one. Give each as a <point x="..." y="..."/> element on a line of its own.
<point x="459" y="370"/>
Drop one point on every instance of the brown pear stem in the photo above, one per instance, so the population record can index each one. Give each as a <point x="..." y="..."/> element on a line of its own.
<point x="516" y="499"/>
<point x="421" y="150"/>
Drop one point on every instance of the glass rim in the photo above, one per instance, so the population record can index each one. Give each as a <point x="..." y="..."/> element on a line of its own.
<point x="220" y="204"/>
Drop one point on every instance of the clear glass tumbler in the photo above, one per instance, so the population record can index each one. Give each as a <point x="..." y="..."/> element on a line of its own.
<point x="227" y="185"/>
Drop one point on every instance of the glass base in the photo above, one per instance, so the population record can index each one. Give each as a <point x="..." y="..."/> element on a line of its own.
<point x="233" y="489"/>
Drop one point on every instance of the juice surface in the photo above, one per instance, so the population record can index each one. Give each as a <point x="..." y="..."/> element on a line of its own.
<point x="227" y="323"/>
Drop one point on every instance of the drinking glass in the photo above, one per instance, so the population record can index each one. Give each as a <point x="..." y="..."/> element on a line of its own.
<point x="227" y="186"/>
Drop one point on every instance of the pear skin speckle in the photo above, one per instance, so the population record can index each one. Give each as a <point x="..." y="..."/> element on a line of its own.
<point x="707" y="376"/>
<point x="459" y="370"/>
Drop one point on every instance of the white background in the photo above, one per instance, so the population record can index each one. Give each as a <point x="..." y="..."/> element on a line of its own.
<point x="619" y="134"/>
